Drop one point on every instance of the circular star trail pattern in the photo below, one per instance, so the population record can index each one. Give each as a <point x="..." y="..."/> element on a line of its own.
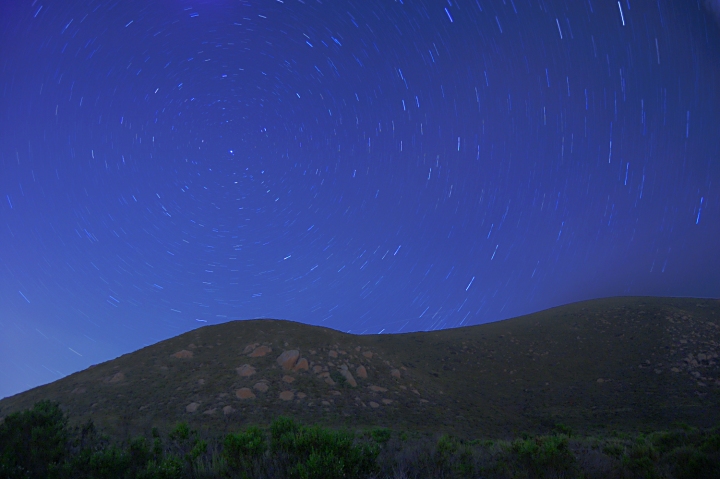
<point x="370" y="166"/>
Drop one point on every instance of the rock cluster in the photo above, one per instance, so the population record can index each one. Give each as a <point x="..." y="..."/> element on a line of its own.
<point x="339" y="364"/>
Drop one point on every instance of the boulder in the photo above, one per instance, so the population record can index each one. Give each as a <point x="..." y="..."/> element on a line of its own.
<point x="361" y="372"/>
<point x="261" y="386"/>
<point x="246" y="371"/>
<point x="374" y="405"/>
<point x="368" y="354"/>
<point x="395" y="373"/>
<point x="288" y="359"/>
<point x="228" y="410"/>
<point x="332" y="354"/>
<point x="378" y="389"/>
<point x="261" y="351"/>
<point x="183" y="354"/>
<point x="287" y="395"/>
<point x="302" y="365"/>
<point x="192" y="407"/>
<point x="349" y="377"/>
<point x="288" y="379"/>
<point x="117" y="377"/>
<point x="244" y="393"/>
<point x="250" y="347"/>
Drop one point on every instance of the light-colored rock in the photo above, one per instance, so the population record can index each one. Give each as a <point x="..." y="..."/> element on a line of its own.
<point x="184" y="354"/>
<point x="325" y="403"/>
<point x="250" y="348"/>
<point x="335" y="393"/>
<point x="368" y="354"/>
<point x="288" y="359"/>
<point x="349" y="377"/>
<point x="244" y="393"/>
<point x="395" y="373"/>
<point x="675" y="370"/>
<point x="79" y="390"/>
<point x="228" y="410"/>
<point x="332" y="354"/>
<point x="424" y="400"/>
<point x="209" y="411"/>
<point x="600" y="380"/>
<point x="416" y="391"/>
<point x="357" y="348"/>
<point x="330" y="381"/>
<point x="246" y="370"/>
<point x="117" y="377"/>
<point x="302" y="365"/>
<point x="261" y="386"/>
<point x="387" y="401"/>
<point x="201" y="381"/>
<point x="301" y="395"/>
<point x="192" y="346"/>
<point x="192" y="407"/>
<point x="361" y="372"/>
<point x="317" y="369"/>
<point x="374" y="405"/>
<point x="288" y="379"/>
<point x="287" y="395"/>
<point x="261" y="351"/>
<point x="378" y="389"/>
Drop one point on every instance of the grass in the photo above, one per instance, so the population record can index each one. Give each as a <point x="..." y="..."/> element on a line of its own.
<point x="39" y="443"/>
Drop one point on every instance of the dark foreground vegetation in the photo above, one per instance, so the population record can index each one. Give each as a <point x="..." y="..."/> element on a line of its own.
<point x="39" y="443"/>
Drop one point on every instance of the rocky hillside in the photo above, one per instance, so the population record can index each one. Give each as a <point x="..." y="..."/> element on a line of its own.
<point x="618" y="363"/>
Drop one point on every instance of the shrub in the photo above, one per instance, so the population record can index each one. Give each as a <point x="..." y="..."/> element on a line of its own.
<point x="641" y="459"/>
<point x="545" y="455"/>
<point x="243" y="449"/>
<point x="32" y="440"/>
<point x="382" y="435"/>
<point x="560" y="428"/>
<point x="690" y="463"/>
<point x="315" y="452"/>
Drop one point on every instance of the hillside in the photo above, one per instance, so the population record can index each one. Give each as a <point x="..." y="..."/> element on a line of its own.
<point x="617" y="363"/>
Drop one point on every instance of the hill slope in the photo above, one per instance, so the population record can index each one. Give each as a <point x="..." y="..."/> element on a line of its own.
<point x="617" y="363"/>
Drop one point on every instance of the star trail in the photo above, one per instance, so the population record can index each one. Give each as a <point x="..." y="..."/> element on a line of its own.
<point x="369" y="166"/>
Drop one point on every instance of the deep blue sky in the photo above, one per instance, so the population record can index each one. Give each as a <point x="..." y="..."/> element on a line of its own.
<point x="369" y="166"/>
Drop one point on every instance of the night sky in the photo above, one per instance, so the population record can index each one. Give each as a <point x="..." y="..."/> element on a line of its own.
<point x="368" y="165"/>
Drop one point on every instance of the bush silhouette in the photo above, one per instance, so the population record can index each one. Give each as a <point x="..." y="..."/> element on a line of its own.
<point x="38" y="443"/>
<point x="32" y="440"/>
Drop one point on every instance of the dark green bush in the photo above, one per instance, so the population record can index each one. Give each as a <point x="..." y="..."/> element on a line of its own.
<point x="33" y="440"/>
<point x="381" y="435"/>
<point x="314" y="452"/>
<point x="546" y="456"/>
<point x="560" y="428"/>
<point x="38" y="443"/>
<point x="243" y="449"/>
<point x="690" y="463"/>
<point x="641" y="459"/>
